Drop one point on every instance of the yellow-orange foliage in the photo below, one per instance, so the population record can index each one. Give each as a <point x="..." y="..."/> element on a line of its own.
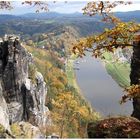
<point x="104" y="8"/>
<point x="131" y="92"/>
<point x="121" y="35"/>
<point x="68" y="111"/>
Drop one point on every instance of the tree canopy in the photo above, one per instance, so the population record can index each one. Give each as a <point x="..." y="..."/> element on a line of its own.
<point x="123" y="34"/>
<point x="39" y="5"/>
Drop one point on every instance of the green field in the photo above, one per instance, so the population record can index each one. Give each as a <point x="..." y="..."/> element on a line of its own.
<point x="119" y="71"/>
<point x="71" y="73"/>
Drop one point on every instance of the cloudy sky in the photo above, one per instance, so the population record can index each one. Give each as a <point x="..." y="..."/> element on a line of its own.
<point x="62" y="7"/>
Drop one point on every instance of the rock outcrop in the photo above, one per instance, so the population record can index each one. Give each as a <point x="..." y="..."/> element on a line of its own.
<point x="22" y="91"/>
<point x="115" y="127"/>
<point x="25" y="130"/>
<point x="4" y="133"/>
<point x="4" y="113"/>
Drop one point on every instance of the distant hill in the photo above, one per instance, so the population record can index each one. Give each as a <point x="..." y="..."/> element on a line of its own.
<point x="123" y="15"/>
<point x="6" y="17"/>
<point x="47" y="15"/>
<point x="131" y="15"/>
<point x="32" y="23"/>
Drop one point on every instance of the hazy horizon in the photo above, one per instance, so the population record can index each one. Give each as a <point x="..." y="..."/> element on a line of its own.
<point x="65" y="8"/>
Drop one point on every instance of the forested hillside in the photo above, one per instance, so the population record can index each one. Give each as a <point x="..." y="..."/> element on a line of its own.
<point x="29" y="24"/>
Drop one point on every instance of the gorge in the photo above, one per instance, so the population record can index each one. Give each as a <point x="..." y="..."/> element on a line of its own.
<point x="34" y="81"/>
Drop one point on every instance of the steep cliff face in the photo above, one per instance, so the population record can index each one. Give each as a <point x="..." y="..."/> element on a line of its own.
<point x="22" y="92"/>
<point x="4" y="117"/>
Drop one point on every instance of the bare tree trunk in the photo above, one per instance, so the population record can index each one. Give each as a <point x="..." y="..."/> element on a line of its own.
<point x="135" y="77"/>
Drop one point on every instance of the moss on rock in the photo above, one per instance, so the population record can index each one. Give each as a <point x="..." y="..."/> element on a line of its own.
<point x="25" y="130"/>
<point x="2" y="132"/>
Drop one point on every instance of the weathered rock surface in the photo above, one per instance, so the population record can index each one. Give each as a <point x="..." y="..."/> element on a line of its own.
<point x="4" y="133"/>
<point x="15" y="111"/>
<point x="25" y="130"/>
<point x="4" y="116"/>
<point x="22" y="93"/>
<point x="117" y="127"/>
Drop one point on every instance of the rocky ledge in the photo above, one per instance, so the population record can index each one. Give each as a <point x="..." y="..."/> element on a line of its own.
<point x="115" y="127"/>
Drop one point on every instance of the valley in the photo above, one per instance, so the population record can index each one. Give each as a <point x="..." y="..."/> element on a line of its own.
<point x="68" y="90"/>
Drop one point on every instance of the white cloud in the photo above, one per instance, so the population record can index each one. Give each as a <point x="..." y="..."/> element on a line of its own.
<point x="69" y="7"/>
<point x="60" y="6"/>
<point x="76" y="6"/>
<point x="132" y="7"/>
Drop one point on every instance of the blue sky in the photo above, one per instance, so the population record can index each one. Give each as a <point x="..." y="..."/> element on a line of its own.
<point x="62" y="7"/>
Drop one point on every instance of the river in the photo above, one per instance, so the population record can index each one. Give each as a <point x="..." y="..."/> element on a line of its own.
<point x="98" y="87"/>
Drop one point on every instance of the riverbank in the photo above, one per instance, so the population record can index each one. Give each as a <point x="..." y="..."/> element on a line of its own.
<point x="100" y="89"/>
<point x="71" y="76"/>
<point x="118" y="70"/>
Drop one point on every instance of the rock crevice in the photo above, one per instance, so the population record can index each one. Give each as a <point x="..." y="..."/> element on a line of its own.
<point x="21" y="99"/>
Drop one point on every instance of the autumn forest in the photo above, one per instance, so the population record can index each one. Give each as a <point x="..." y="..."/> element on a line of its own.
<point x="69" y="73"/>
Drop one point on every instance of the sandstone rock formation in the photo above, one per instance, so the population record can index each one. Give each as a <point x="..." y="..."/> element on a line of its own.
<point x="22" y="93"/>
<point x="115" y="127"/>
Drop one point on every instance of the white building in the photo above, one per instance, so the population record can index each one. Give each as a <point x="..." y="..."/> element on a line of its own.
<point x="119" y="55"/>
